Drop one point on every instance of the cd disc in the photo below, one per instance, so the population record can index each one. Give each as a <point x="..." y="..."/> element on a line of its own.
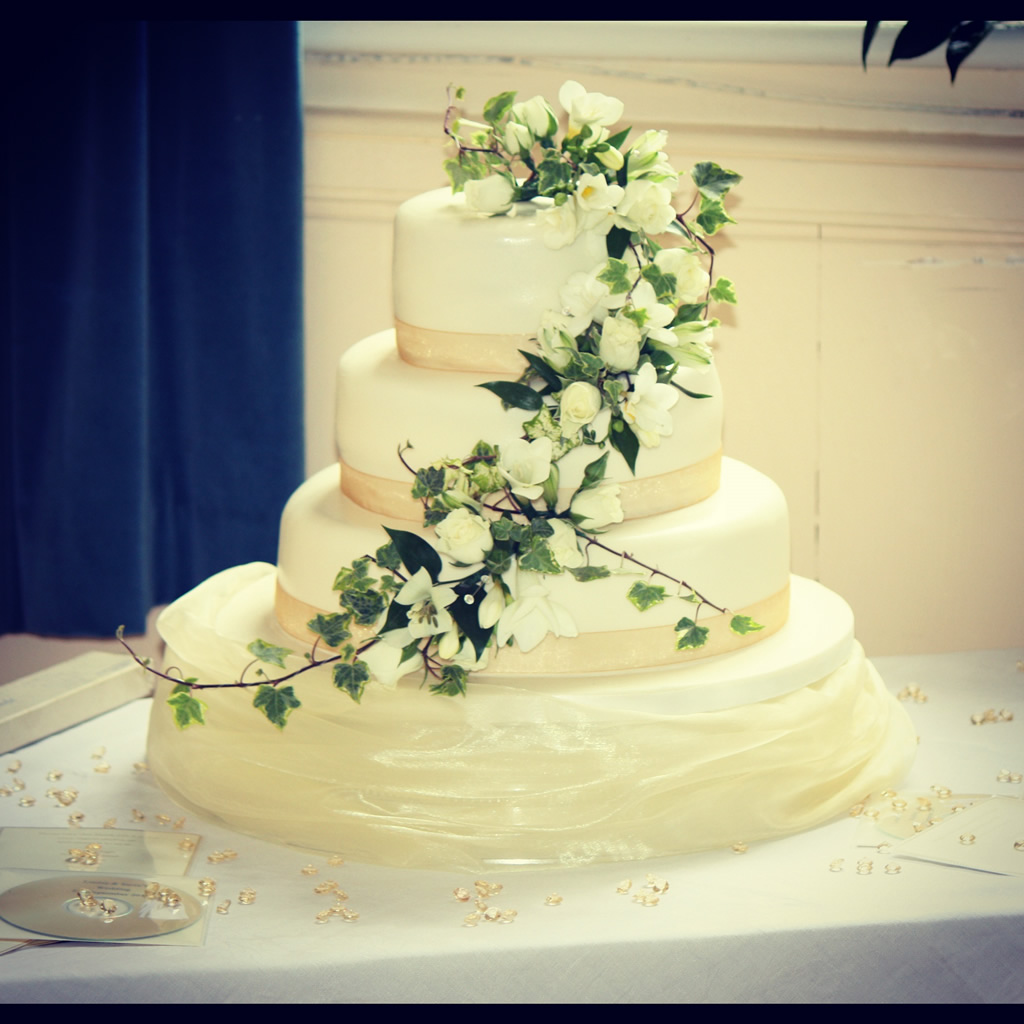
<point x="114" y="910"/>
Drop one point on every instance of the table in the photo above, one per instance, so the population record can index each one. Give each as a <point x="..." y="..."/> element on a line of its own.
<point x="772" y="924"/>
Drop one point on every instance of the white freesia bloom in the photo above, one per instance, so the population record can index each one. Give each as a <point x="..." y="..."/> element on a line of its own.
<point x="619" y="347"/>
<point x="518" y="137"/>
<point x="645" y="299"/>
<point x="493" y="194"/>
<point x="688" y="343"/>
<point x="560" y="225"/>
<point x="384" y="660"/>
<point x="537" y="116"/>
<point x="564" y="544"/>
<point x="691" y="278"/>
<point x="611" y="158"/>
<point x="588" y="108"/>
<point x="595" y="203"/>
<point x="532" y="615"/>
<point x="428" y="614"/>
<point x="448" y="645"/>
<point x="599" y="506"/>
<point x="586" y="299"/>
<point x="579" y="404"/>
<point x="646" y="406"/>
<point x="526" y="465"/>
<point x="646" y="206"/>
<point x="464" y="537"/>
<point x="490" y="608"/>
<point x="555" y="328"/>
<point x="466" y="658"/>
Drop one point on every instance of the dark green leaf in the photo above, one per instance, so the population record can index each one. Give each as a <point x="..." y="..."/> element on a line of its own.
<point x="498" y="560"/>
<point x="541" y="528"/>
<point x="352" y="678"/>
<point x="415" y="553"/>
<point x="618" y="138"/>
<point x="538" y="558"/>
<point x="870" y="28"/>
<point x="276" y="703"/>
<point x="645" y="595"/>
<point x="330" y="628"/>
<point x="594" y="473"/>
<point x="387" y="556"/>
<point x="517" y="396"/>
<point x="625" y="442"/>
<point x="921" y="36"/>
<point x="453" y="682"/>
<point x="617" y="240"/>
<point x="467" y="618"/>
<point x="268" y="652"/>
<point x="548" y="375"/>
<point x="366" y="606"/>
<point x="964" y="41"/>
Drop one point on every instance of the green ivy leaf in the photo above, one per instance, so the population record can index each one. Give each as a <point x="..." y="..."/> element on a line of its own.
<point x="188" y="710"/>
<point x="539" y="558"/>
<point x="355" y="578"/>
<point x="713" y="181"/>
<point x="387" y="556"/>
<point x="724" y="291"/>
<point x="690" y="634"/>
<point x="366" y="606"/>
<point x="268" y="652"/>
<point x="513" y="395"/>
<point x="645" y="595"/>
<point x="553" y="174"/>
<point x="498" y="107"/>
<point x="415" y="552"/>
<point x="352" y="678"/>
<point x="664" y="285"/>
<point x="429" y="482"/>
<point x="616" y="276"/>
<point x="330" y="628"/>
<point x="541" y="528"/>
<point x="498" y="560"/>
<point x="276" y="703"/>
<point x="712" y="215"/>
<point x="591" y="572"/>
<point x="453" y="682"/>
<point x="468" y="168"/>
<point x="743" y="624"/>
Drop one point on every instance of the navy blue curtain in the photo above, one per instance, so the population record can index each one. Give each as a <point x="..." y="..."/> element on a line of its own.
<point x="152" y="298"/>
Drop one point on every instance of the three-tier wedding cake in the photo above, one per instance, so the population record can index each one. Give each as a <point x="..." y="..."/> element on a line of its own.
<point x="533" y="519"/>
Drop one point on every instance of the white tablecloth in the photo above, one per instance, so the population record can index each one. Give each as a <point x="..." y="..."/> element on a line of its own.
<point x="770" y="925"/>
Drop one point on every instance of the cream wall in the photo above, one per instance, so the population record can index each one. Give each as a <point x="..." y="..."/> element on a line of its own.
<point x="875" y="364"/>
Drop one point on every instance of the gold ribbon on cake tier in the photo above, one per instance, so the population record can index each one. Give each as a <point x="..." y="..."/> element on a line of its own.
<point x="646" y="496"/>
<point x="609" y="651"/>
<point x="452" y="350"/>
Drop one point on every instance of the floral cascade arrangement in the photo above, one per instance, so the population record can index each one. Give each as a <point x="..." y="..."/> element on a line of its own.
<point x="602" y="376"/>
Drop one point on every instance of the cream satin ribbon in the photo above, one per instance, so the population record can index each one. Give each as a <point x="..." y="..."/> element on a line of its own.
<point x="450" y="350"/>
<point x="610" y="651"/>
<point x="647" y="496"/>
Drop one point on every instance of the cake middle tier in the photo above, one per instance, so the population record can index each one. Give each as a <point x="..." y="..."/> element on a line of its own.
<point x="733" y="548"/>
<point x="384" y="403"/>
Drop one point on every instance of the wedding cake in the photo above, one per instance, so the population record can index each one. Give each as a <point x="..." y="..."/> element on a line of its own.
<point x="566" y="621"/>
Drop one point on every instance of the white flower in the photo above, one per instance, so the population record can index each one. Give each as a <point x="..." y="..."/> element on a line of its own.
<point x="619" y="347"/>
<point x="588" y="108"/>
<point x="646" y="406"/>
<point x="518" y="137"/>
<point x="599" y="506"/>
<point x="611" y="158"/>
<point x="586" y="299"/>
<point x="595" y="203"/>
<point x="537" y="116"/>
<point x="466" y="657"/>
<point x="493" y="194"/>
<point x="526" y="465"/>
<point x="564" y="545"/>
<point x="385" y="662"/>
<point x="448" y="645"/>
<point x="559" y="225"/>
<point x="464" y="537"/>
<point x="556" y="339"/>
<point x="645" y="300"/>
<point x="646" y="206"/>
<point x="645" y="150"/>
<point x="427" y="614"/>
<point x="579" y="404"/>
<point x="532" y="615"/>
<point x="490" y="608"/>
<point x="687" y="343"/>
<point x="691" y="278"/>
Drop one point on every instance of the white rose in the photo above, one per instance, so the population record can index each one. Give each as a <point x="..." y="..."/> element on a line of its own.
<point x="537" y="116"/>
<point x="580" y="403"/>
<point x="464" y="537"/>
<point x="564" y="544"/>
<point x="646" y="406"/>
<point x="493" y="194"/>
<point x="619" y="347"/>
<point x="518" y="137"/>
<point x="559" y="225"/>
<point x="646" y="206"/>
<point x="555" y="338"/>
<point x="532" y="615"/>
<point x="599" y="506"/>
<point x="526" y="466"/>
<point x="586" y="299"/>
<point x="691" y="278"/>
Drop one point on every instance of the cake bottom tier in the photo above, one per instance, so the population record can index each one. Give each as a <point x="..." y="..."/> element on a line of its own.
<point x="530" y="772"/>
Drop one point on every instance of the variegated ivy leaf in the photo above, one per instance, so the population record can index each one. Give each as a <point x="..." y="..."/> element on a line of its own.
<point x="616" y="276"/>
<point x="268" y="652"/>
<point x="690" y="634"/>
<point x="691" y="597"/>
<point x="366" y="606"/>
<point x="541" y="528"/>
<point x="614" y="389"/>
<point x="453" y="682"/>
<point x="724" y="291"/>
<point x="276" y="703"/>
<point x="713" y="181"/>
<point x="330" y="628"/>
<point x="584" y="366"/>
<point x="712" y="215"/>
<point x="743" y="624"/>
<point x="545" y="425"/>
<point x="387" y="556"/>
<point x="188" y="710"/>
<point x="429" y="482"/>
<point x="355" y="578"/>
<point x="554" y="176"/>
<point x="646" y="595"/>
<point x="352" y="678"/>
<point x="498" y="560"/>
<point x="664" y="285"/>
<point x="467" y="168"/>
<point x="538" y="558"/>
<point x="497" y="107"/>
<point x="591" y="572"/>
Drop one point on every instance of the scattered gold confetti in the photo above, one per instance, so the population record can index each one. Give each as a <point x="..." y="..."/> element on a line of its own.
<point x="222" y="908"/>
<point x="139" y="767"/>
<point x="14" y="766"/>
<point x="110" y="823"/>
<point x="98" y="753"/>
<point x="624" y="886"/>
<point x="554" y="900"/>
<point x="54" y="776"/>
<point x="137" y="815"/>
<point x="335" y="860"/>
<point x="27" y="801"/>
<point x="310" y="869"/>
<point x="739" y="847"/>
